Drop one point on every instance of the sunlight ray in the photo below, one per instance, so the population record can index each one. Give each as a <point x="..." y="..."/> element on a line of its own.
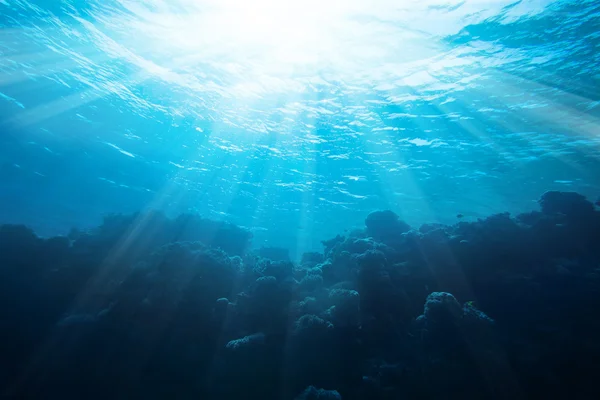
<point x="50" y="68"/>
<point x="59" y="106"/>
<point x="568" y="111"/>
<point x="559" y="112"/>
<point x="49" y="55"/>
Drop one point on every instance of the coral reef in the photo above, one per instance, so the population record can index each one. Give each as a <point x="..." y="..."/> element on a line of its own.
<point x="150" y="307"/>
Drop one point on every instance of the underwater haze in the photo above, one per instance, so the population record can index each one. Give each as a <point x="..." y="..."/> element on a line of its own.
<point x="284" y="199"/>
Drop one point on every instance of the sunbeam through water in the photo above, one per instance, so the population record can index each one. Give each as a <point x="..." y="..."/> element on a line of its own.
<point x="287" y="200"/>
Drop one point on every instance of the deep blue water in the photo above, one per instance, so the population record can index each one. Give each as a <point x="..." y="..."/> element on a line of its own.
<point x="282" y="124"/>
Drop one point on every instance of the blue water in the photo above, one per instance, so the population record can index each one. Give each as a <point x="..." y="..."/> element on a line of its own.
<point x="428" y="108"/>
<point x="292" y="121"/>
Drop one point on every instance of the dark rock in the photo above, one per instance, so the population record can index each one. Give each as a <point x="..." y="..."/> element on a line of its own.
<point x="569" y="203"/>
<point x="383" y="225"/>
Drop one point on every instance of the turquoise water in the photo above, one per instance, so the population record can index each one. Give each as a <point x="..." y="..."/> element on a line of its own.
<point x="294" y="120"/>
<point x="288" y="200"/>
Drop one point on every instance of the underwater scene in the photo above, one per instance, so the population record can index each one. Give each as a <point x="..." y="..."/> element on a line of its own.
<point x="300" y="200"/>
